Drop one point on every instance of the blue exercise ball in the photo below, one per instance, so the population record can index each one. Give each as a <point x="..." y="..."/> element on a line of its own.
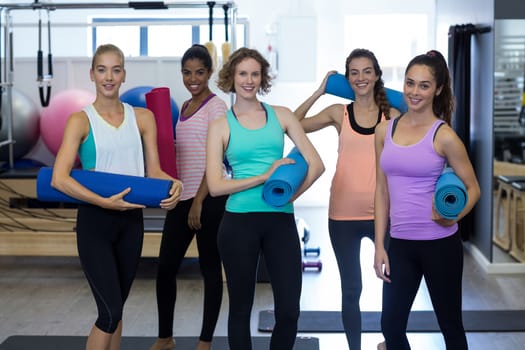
<point x="137" y="98"/>
<point x="174" y="116"/>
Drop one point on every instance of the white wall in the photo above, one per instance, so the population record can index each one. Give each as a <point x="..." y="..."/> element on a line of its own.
<point x="329" y="43"/>
<point x="479" y="13"/>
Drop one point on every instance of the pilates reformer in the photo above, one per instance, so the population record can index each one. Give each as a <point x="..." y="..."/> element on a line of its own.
<point x="7" y="64"/>
<point x="44" y="231"/>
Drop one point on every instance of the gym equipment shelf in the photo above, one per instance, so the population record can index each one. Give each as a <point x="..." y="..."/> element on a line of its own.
<point x="509" y="64"/>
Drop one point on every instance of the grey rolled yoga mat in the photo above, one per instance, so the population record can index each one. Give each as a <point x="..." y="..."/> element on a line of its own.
<point x="56" y="342"/>
<point x="419" y="321"/>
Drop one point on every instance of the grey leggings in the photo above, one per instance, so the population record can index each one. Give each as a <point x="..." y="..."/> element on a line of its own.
<point x="346" y="239"/>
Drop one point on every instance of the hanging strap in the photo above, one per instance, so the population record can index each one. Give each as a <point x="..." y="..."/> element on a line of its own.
<point x="44" y="96"/>
<point x="211" y="4"/>
<point x="226" y="7"/>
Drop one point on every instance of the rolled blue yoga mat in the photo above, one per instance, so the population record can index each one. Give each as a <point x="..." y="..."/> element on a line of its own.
<point x="451" y="195"/>
<point x="338" y="85"/>
<point x="285" y="180"/>
<point x="144" y="190"/>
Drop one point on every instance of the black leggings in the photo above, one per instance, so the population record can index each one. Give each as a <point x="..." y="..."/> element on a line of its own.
<point x="346" y="237"/>
<point x="242" y="237"/>
<point x="440" y="262"/>
<point x="176" y="238"/>
<point x="109" y="246"/>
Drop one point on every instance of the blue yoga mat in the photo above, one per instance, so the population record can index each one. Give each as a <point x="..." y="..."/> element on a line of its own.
<point x="450" y="196"/>
<point x="285" y="180"/>
<point x="338" y="85"/>
<point x="144" y="190"/>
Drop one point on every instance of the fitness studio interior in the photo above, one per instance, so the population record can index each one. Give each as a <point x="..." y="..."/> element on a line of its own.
<point x="46" y="50"/>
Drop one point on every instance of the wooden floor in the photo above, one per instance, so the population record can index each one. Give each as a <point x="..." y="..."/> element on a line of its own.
<point x="49" y="295"/>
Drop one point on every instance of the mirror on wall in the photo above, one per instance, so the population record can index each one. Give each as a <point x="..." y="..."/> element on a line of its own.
<point x="509" y="141"/>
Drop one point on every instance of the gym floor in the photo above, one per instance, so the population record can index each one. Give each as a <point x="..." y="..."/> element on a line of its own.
<point x="49" y="296"/>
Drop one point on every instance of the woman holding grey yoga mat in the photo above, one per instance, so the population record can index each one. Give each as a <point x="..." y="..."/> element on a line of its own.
<point x="351" y="208"/>
<point x="411" y="152"/>
<point x="251" y="137"/>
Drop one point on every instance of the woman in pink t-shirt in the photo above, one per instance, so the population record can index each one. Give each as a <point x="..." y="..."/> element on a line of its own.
<point x="198" y="214"/>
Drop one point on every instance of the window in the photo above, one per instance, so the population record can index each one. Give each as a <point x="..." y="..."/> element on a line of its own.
<point x="166" y="40"/>
<point x="395" y="41"/>
<point x="158" y="37"/>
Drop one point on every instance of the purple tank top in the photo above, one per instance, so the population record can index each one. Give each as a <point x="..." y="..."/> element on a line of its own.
<point x="412" y="172"/>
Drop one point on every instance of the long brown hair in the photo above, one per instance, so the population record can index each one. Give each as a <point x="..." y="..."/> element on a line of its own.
<point x="443" y="103"/>
<point x="379" y="86"/>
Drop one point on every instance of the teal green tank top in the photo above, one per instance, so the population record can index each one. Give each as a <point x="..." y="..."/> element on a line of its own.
<point x="87" y="152"/>
<point x="251" y="153"/>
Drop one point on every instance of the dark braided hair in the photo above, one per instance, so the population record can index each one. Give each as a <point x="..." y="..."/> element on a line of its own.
<point x="379" y="86"/>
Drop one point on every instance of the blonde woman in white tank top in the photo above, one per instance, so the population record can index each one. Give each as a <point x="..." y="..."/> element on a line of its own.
<point x="110" y="229"/>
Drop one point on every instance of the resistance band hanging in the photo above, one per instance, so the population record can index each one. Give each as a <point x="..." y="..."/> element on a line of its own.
<point x="44" y="97"/>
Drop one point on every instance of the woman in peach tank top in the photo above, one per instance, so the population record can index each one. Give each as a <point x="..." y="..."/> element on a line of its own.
<point x="351" y="209"/>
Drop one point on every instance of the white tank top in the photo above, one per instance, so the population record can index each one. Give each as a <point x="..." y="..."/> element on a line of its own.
<point x="113" y="149"/>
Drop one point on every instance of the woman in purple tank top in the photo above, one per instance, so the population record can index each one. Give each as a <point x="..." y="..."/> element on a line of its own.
<point x="411" y="151"/>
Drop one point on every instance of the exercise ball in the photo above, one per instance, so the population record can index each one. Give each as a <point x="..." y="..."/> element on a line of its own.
<point x="174" y="117"/>
<point x="137" y="98"/>
<point x="25" y="125"/>
<point x="54" y="117"/>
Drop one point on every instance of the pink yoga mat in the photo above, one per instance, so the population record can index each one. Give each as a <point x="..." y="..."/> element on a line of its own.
<point x="158" y="101"/>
